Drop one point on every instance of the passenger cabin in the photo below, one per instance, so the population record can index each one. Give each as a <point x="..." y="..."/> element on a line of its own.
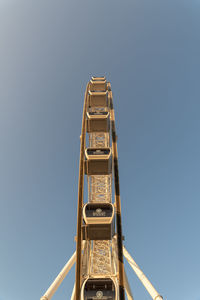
<point x="98" y="161"/>
<point x="97" y="84"/>
<point x="99" y="288"/>
<point x="98" y="121"/>
<point x="99" y="221"/>
<point x="98" y="99"/>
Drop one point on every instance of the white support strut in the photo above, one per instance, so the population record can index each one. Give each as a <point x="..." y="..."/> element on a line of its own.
<point x="127" y="287"/>
<point x="59" y="279"/>
<point x="73" y="293"/>
<point x="145" y="281"/>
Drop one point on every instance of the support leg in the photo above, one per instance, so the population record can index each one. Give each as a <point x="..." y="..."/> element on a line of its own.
<point x="59" y="279"/>
<point x="127" y="287"/>
<point x="147" y="284"/>
<point x="73" y="293"/>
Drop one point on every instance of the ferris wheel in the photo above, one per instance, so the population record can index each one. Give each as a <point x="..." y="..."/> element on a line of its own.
<point x="99" y="254"/>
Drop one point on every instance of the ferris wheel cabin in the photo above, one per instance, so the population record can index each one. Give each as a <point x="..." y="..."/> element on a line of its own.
<point x="97" y="84"/>
<point x="98" y="121"/>
<point x="98" y="161"/>
<point x="98" y="99"/>
<point x="99" y="288"/>
<point x="99" y="221"/>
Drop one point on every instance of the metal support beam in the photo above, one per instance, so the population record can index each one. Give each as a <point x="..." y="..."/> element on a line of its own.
<point x="145" y="281"/>
<point x="73" y="293"/>
<point x="117" y="200"/>
<point x="59" y="279"/>
<point x="127" y="287"/>
<point x="80" y="201"/>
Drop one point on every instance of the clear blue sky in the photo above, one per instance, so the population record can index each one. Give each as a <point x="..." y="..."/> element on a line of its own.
<point x="149" y="51"/>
